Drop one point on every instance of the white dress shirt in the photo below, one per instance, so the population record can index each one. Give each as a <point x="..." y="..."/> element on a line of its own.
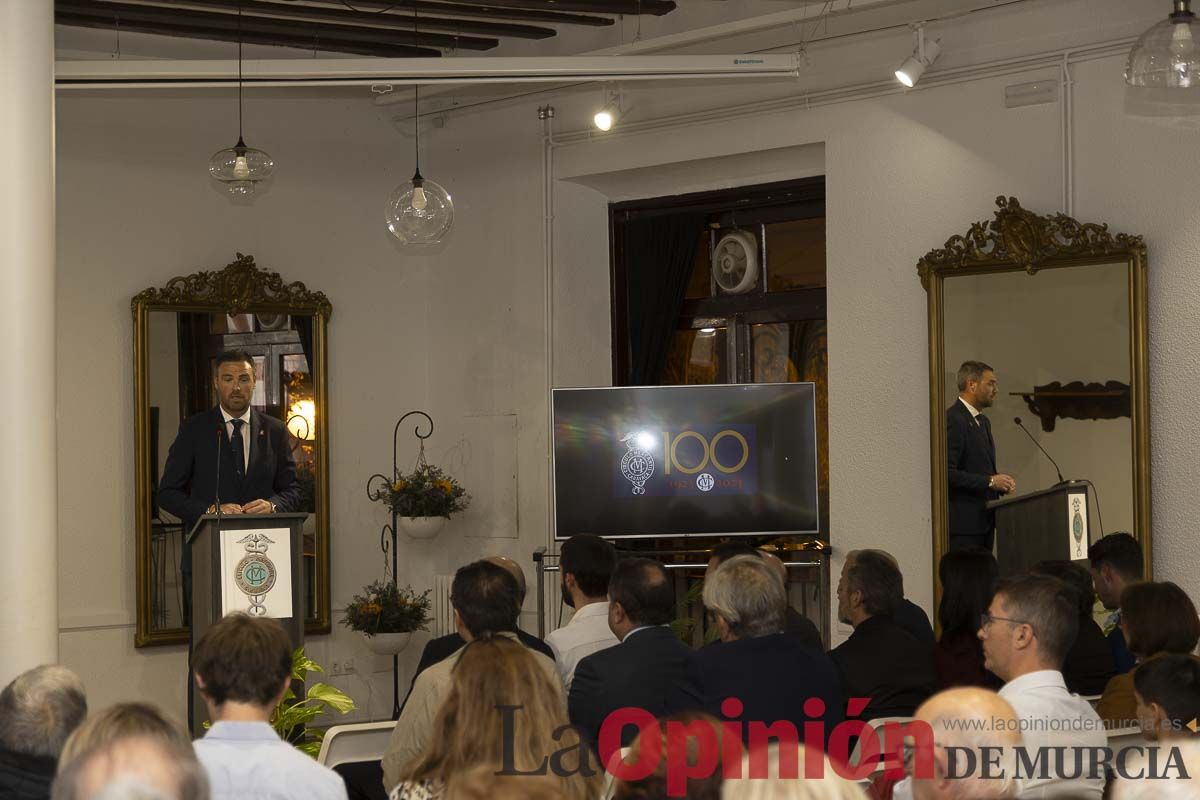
<point x="1053" y="717"/>
<point x="248" y="761"/>
<point x="245" y="435"/>
<point x="975" y="412"/>
<point x="586" y="633"/>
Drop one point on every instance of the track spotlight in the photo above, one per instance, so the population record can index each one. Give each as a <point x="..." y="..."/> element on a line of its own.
<point x="924" y="54"/>
<point x="610" y="111"/>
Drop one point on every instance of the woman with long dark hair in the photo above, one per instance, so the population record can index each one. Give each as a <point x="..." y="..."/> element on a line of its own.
<point x="968" y="577"/>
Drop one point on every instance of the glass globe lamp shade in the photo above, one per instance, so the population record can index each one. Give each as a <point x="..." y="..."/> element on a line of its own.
<point x="240" y="167"/>
<point x="419" y="212"/>
<point x="1167" y="56"/>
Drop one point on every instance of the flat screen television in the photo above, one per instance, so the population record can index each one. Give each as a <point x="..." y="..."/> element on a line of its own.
<point x="642" y="462"/>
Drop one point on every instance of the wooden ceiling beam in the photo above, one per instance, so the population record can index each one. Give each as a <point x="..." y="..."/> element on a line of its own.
<point x="654" y="7"/>
<point x="389" y="21"/>
<point x="227" y="26"/>
<point x="107" y="21"/>
<point x="549" y="12"/>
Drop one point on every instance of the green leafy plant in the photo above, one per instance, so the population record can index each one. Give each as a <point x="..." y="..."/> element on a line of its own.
<point x="684" y="626"/>
<point x="383" y="607"/>
<point x="427" y="491"/>
<point x="291" y="716"/>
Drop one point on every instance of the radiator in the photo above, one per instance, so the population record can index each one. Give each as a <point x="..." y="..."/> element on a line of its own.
<point x="443" y="612"/>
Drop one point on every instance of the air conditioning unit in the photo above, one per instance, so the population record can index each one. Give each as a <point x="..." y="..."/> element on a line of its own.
<point x="735" y="262"/>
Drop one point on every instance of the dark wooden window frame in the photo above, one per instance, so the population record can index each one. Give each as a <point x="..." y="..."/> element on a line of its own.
<point x="747" y="205"/>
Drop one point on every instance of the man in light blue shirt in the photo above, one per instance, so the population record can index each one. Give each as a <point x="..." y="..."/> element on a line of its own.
<point x="242" y="666"/>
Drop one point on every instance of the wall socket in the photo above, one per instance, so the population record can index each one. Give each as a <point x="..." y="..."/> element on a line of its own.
<point x="341" y="667"/>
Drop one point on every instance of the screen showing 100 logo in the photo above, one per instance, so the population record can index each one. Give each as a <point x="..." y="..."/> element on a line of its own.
<point x="719" y="459"/>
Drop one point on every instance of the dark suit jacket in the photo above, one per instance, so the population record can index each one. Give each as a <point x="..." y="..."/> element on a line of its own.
<point x="886" y="663"/>
<point x="189" y="480"/>
<point x="970" y="464"/>
<point x="1123" y="660"/>
<point x="638" y="673"/>
<point x="912" y="618"/>
<point x="771" y="675"/>
<point x="803" y="628"/>
<point x="1089" y="663"/>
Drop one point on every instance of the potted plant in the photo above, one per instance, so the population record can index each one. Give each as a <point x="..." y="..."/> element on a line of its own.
<point x="423" y="499"/>
<point x="387" y="615"/>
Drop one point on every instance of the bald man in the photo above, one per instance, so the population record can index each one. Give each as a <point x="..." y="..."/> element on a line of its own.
<point x="443" y="647"/>
<point x="967" y="718"/>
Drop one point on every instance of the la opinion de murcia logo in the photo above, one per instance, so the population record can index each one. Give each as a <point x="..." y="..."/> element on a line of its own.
<point x="255" y="574"/>
<point x="637" y="464"/>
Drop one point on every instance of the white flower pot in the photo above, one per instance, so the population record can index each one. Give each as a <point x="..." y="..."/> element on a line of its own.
<point x="421" y="527"/>
<point x="386" y="644"/>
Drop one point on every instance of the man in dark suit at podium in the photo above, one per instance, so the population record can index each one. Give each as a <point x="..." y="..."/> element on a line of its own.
<point x="258" y="473"/>
<point x="971" y="459"/>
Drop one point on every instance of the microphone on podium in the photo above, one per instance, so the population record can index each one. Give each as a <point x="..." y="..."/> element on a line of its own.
<point x="217" y="486"/>
<point x="1039" y="447"/>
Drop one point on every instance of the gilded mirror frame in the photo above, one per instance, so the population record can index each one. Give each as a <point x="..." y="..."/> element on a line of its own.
<point x="1020" y="240"/>
<point x="241" y="287"/>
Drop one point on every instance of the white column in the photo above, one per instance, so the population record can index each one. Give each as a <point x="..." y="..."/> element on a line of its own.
<point x="28" y="461"/>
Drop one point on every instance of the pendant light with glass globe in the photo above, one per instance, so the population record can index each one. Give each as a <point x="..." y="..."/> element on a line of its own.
<point x="1167" y="56"/>
<point x="240" y="167"/>
<point x="420" y="211"/>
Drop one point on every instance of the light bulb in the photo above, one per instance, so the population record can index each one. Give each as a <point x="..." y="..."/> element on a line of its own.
<point x="1182" y="43"/>
<point x="419" y="200"/>
<point x="241" y="169"/>
<point x="603" y="119"/>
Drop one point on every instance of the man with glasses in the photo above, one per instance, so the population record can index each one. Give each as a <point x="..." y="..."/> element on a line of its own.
<point x="1026" y="633"/>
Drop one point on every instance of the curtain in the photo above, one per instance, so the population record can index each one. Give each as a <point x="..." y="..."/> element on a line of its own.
<point x="659" y="255"/>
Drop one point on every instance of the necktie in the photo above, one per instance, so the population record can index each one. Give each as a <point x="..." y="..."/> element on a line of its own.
<point x="238" y="446"/>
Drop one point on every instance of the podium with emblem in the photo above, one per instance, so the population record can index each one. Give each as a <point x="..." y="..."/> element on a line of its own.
<point x="1047" y="525"/>
<point x="250" y="563"/>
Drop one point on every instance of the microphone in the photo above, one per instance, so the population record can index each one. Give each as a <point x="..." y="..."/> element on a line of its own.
<point x="1039" y="447"/>
<point x="217" y="487"/>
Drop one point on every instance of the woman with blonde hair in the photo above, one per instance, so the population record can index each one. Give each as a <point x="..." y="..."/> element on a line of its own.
<point x="498" y="688"/>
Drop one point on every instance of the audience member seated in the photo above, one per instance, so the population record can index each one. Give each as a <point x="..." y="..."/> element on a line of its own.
<point x="1089" y="664"/>
<point x="1156" y="619"/>
<point x="1116" y="562"/>
<point x="124" y="721"/>
<point x="38" y="711"/>
<point x="968" y="579"/>
<point x="1167" y="689"/>
<point x="701" y="732"/>
<point x="648" y="662"/>
<point x="486" y="601"/>
<point x="780" y="784"/>
<point x="1026" y="633"/>
<point x="586" y="564"/>
<point x="968" y="719"/>
<point x="502" y="712"/>
<point x="905" y="612"/>
<point x="134" y="767"/>
<point x="768" y="674"/>
<point x="243" y="667"/>
<point x="881" y="660"/>
<point x="795" y="624"/>
<point x="443" y="647"/>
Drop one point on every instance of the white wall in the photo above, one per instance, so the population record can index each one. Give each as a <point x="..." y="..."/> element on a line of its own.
<point x="459" y="332"/>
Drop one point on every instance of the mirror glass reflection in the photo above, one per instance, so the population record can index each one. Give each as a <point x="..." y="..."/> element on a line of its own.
<point x="1059" y="343"/>
<point x="182" y="348"/>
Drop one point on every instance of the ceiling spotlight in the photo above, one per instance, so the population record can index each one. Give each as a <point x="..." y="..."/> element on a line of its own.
<point x="1166" y="55"/>
<point x="610" y="111"/>
<point x="924" y="54"/>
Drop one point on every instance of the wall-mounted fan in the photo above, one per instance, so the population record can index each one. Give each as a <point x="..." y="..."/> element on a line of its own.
<point x="735" y="262"/>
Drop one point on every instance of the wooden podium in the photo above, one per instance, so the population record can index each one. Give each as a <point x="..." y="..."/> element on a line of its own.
<point x="252" y="578"/>
<point x="1047" y="525"/>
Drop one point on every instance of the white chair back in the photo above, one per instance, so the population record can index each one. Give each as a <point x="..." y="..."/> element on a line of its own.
<point x="877" y="726"/>
<point x="360" y="741"/>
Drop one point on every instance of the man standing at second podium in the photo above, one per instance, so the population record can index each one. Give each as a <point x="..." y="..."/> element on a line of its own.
<point x="971" y="459"/>
<point x="257" y="471"/>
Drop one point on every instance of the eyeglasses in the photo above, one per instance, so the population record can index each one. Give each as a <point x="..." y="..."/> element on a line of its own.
<point x="987" y="619"/>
